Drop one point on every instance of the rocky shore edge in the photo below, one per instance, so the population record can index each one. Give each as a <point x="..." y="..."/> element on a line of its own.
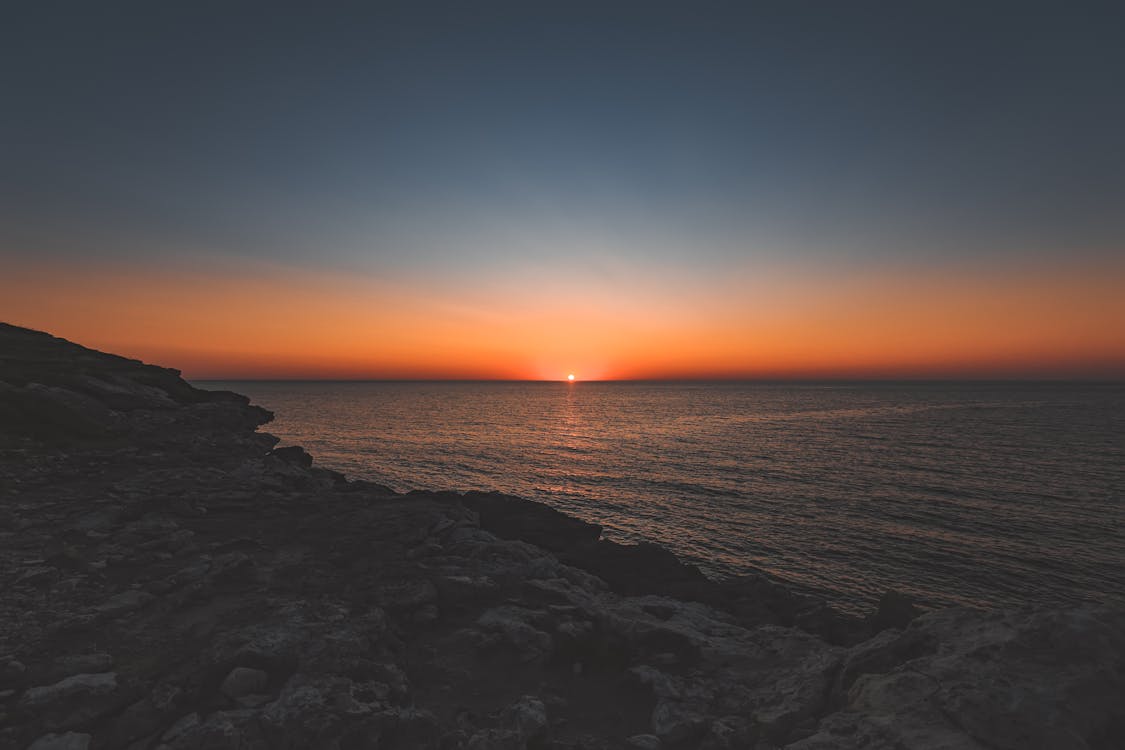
<point x="172" y="579"/>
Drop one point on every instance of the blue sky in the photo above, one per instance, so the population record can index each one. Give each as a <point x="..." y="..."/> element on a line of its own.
<point x="466" y="133"/>
<point x="585" y="144"/>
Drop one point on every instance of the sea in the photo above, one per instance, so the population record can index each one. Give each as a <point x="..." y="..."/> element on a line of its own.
<point x="977" y="494"/>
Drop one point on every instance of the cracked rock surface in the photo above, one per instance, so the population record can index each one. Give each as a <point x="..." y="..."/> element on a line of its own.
<point x="172" y="580"/>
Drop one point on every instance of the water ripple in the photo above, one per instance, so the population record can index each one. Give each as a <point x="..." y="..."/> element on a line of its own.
<point x="959" y="494"/>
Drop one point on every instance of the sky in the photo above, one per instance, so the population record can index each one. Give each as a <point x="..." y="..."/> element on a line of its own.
<point x="528" y="190"/>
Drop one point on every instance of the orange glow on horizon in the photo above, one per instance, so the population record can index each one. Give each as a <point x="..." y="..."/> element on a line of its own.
<point x="283" y="323"/>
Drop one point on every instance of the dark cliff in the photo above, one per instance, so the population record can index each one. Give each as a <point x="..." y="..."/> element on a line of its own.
<point x="171" y="580"/>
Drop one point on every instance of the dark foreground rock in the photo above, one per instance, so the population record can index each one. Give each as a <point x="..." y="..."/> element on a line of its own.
<point x="170" y="580"/>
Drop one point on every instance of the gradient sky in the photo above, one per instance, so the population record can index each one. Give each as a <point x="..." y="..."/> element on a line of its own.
<point x="620" y="190"/>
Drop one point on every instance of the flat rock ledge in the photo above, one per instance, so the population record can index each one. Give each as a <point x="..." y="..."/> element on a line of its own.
<point x="173" y="580"/>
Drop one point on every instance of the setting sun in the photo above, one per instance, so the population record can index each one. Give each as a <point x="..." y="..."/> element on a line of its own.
<point x="283" y="303"/>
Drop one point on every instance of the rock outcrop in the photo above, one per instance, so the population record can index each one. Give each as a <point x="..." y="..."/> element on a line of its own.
<point x="171" y="579"/>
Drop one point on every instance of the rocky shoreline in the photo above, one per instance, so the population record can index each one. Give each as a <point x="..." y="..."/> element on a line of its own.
<point x="171" y="579"/>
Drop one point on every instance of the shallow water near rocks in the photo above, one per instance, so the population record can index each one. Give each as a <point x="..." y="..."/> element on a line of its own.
<point x="983" y="494"/>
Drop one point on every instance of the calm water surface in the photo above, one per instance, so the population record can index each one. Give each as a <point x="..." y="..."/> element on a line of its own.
<point x="979" y="494"/>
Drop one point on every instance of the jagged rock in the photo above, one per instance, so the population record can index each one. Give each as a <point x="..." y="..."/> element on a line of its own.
<point x="513" y="626"/>
<point x="895" y="610"/>
<point x="183" y="725"/>
<point x="72" y="664"/>
<point x="231" y="567"/>
<point x="515" y="518"/>
<point x="407" y="595"/>
<point x="147" y="716"/>
<point x="775" y="676"/>
<point x="879" y="654"/>
<point x="634" y="568"/>
<point x="495" y="739"/>
<point x="123" y="393"/>
<point x="73" y="701"/>
<point x="67" y="741"/>
<point x="123" y="603"/>
<point x="221" y="730"/>
<point x="461" y="589"/>
<point x="527" y="717"/>
<point x="243" y="681"/>
<point x="637" y="569"/>
<point x="294" y="454"/>
<point x="1002" y="680"/>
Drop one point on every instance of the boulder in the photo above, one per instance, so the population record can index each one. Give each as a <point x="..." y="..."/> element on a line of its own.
<point x="295" y="455"/>
<point x="72" y="664"/>
<point x="243" y="681"/>
<point x="75" y="700"/>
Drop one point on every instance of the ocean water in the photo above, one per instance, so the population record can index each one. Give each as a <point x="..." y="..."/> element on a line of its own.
<point x="957" y="493"/>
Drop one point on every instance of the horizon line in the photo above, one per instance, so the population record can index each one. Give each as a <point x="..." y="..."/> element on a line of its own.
<point x="759" y="380"/>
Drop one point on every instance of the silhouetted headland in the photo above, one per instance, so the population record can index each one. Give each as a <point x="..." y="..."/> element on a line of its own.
<point x="171" y="579"/>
